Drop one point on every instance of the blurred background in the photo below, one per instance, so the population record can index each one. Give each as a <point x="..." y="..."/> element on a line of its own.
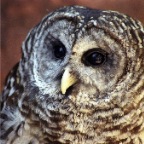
<point x="19" y="16"/>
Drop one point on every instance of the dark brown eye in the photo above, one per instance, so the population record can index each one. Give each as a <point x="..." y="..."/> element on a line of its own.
<point x="59" y="51"/>
<point x="94" y="57"/>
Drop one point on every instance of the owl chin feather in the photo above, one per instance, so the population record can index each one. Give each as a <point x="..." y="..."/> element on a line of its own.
<point x="80" y="80"/>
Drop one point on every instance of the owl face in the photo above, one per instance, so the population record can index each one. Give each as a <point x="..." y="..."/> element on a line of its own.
<point x="90" y="46"/>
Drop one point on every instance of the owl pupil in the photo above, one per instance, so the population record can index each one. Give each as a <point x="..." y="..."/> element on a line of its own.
<point x="59" y="51"/>
<point x="94" y="57"/>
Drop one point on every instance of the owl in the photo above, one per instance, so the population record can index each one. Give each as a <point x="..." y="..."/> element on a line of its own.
<point x="80" y="81"/>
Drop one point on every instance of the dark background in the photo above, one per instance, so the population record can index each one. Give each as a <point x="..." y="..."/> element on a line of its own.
<point x="19" y="16"/>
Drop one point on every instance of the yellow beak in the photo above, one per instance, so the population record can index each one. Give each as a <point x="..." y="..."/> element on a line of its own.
<point x="68" y="79"/>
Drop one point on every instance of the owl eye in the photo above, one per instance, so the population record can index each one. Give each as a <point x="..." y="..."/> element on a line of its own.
<point x="94" y="57"/>
<point x="59" y="51"/>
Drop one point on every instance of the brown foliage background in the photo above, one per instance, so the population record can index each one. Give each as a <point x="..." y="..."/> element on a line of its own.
<point x="19" y="16"/>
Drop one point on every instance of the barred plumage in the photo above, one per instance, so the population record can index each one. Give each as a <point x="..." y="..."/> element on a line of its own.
<point x="98" y="58"/>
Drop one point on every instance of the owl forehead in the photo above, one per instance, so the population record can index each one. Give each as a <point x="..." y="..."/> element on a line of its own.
<point x="70" y="24"/>
<point x="119" y="26"/>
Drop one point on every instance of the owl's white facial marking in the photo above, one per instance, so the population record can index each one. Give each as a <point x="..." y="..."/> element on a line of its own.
<point x="95" y="76"/>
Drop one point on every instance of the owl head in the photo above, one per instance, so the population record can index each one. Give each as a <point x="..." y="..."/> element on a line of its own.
<point x="85" y="54"/>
